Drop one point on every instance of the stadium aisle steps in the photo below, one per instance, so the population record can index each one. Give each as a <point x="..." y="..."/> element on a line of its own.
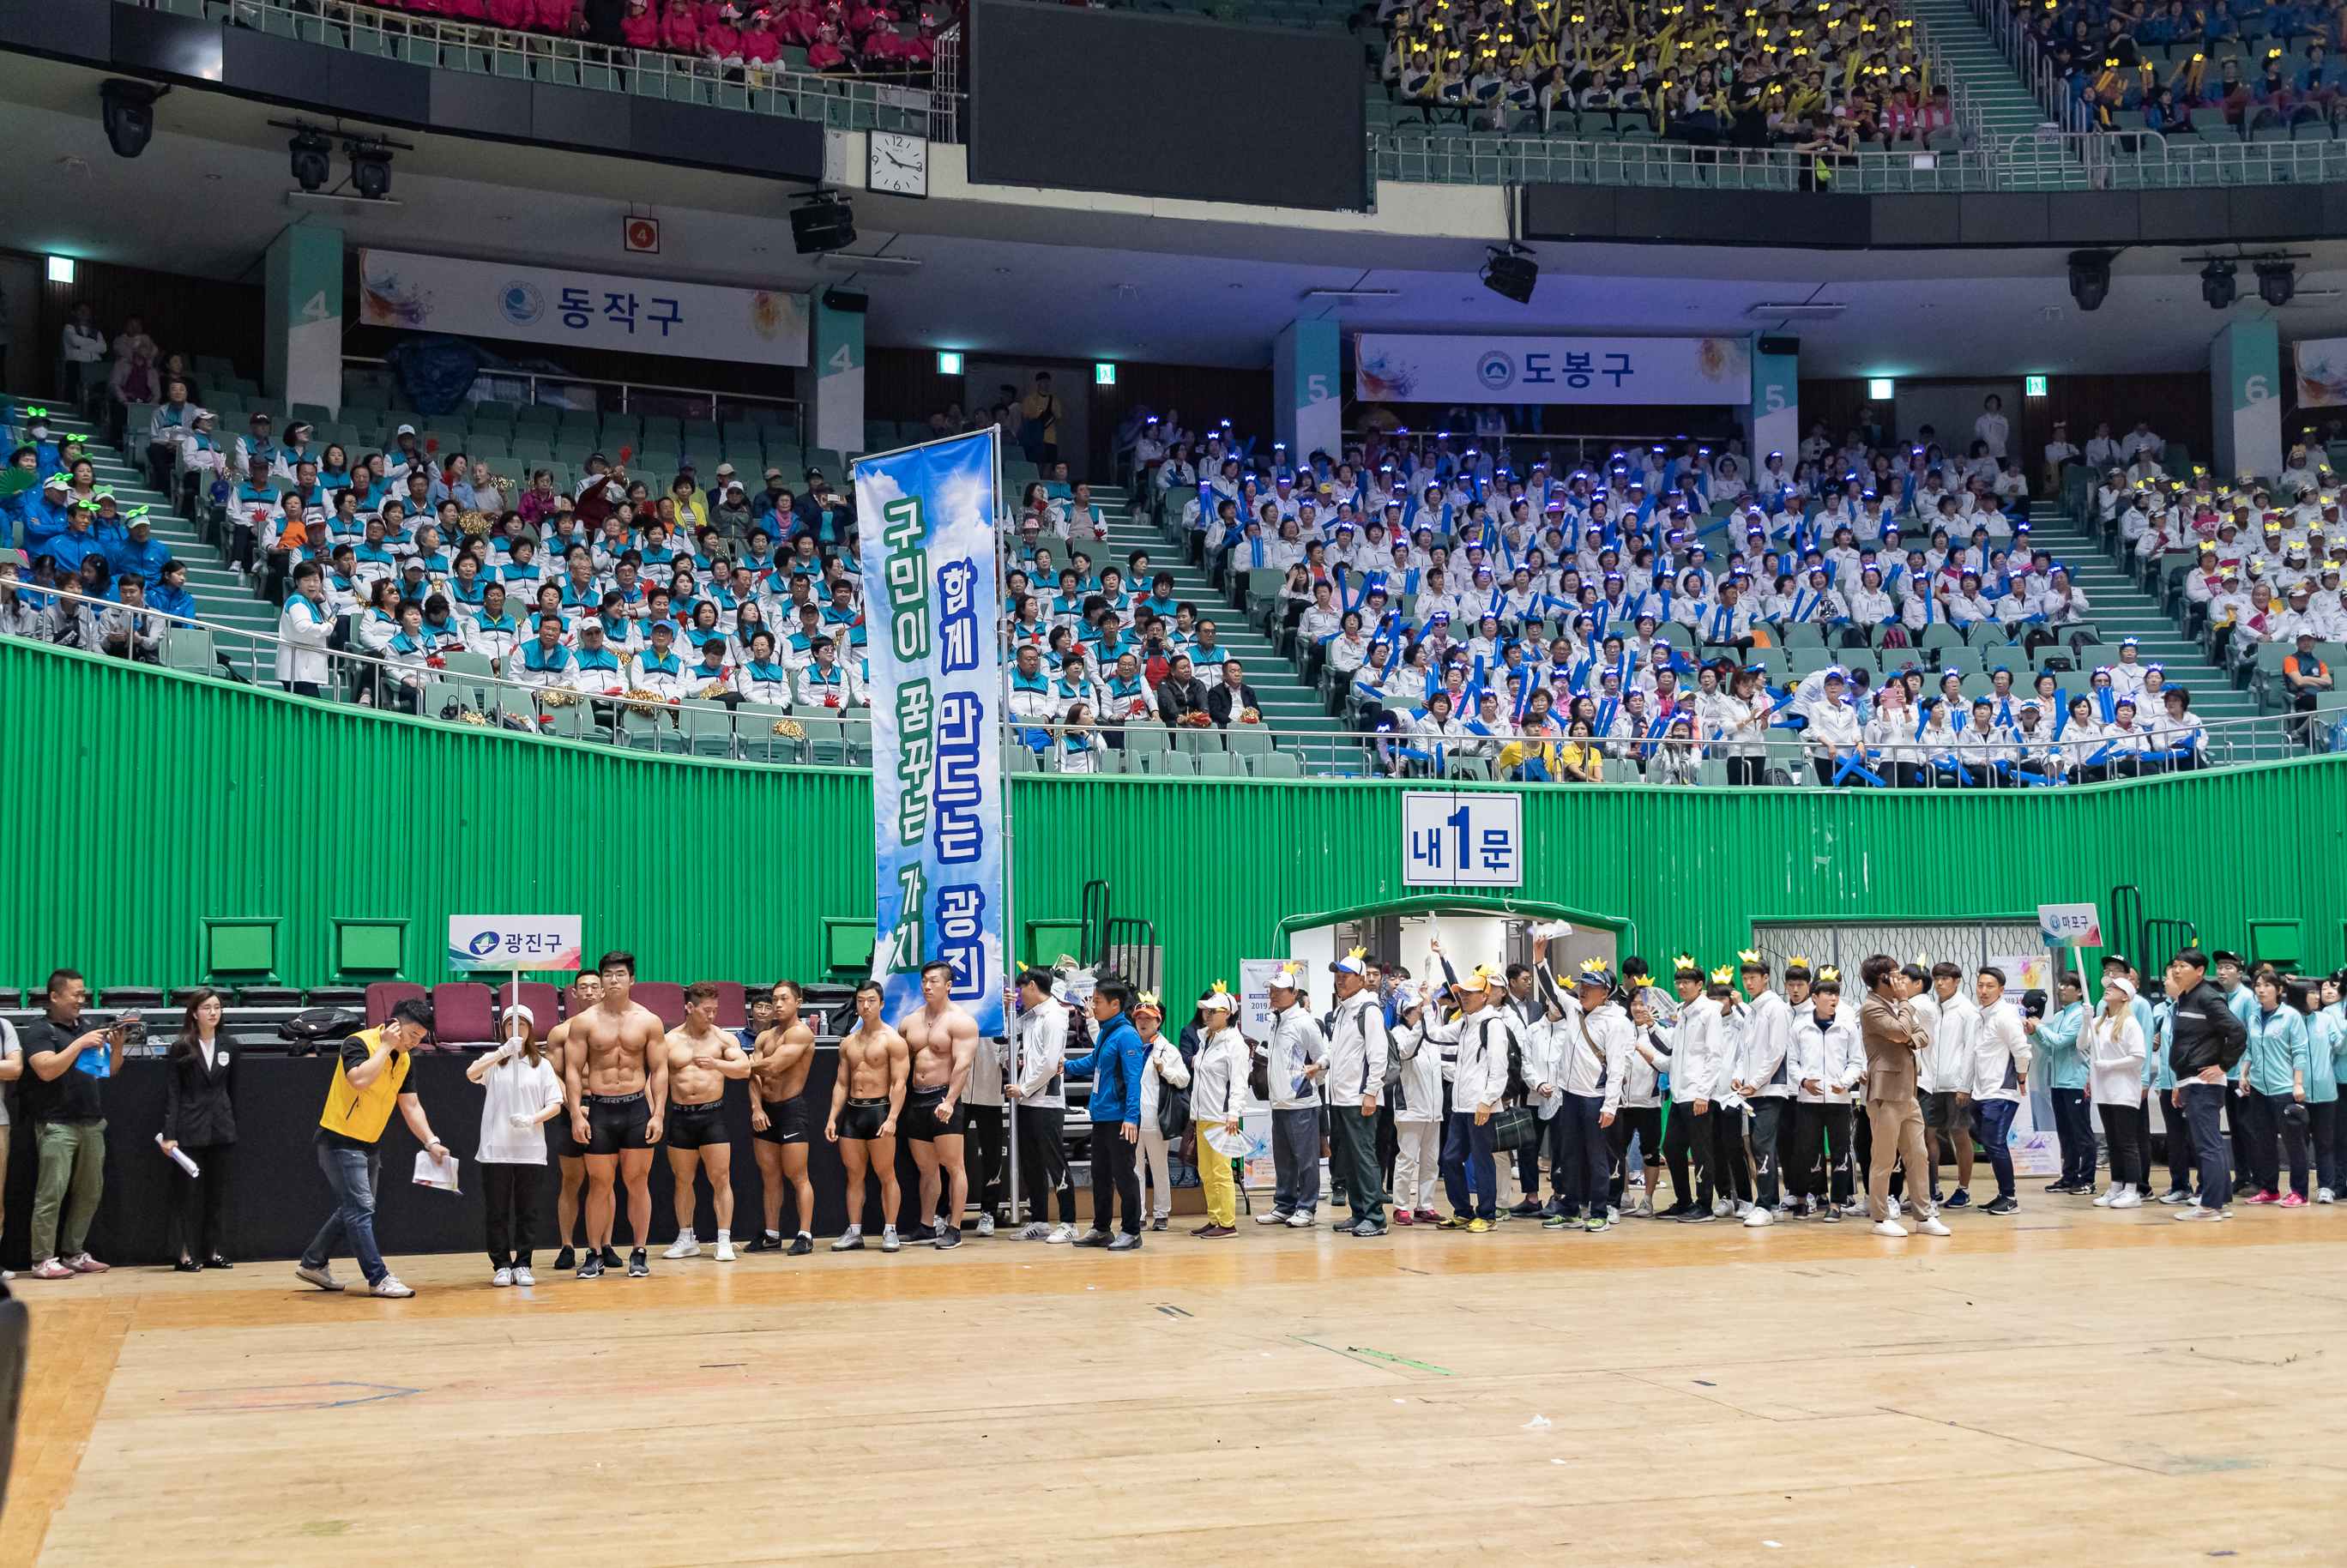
<point x="221" y="597"/>
<point x="1967" y="54"/>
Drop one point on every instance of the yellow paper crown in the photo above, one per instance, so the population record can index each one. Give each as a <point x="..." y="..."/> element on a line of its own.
<point x="1356" y="952"/>
<point x="1593" y="966"/>
<point x="1149" y="1000"/>
<point x="1751" y="956"/>
<point x="1798" y="962"/>
<point x="1685" y="961"/>
<point x="1923" y="961"/>
<point x="1723" y="976"/>
<point x="1284" y="976"/>
<point x="1830" y="973"/>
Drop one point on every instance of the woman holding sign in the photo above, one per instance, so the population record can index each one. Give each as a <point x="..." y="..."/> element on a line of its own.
<point x="200" y="1131"/>
<point x="525" y="1093"/>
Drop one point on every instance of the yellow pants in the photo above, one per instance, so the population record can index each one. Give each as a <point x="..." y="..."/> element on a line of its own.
<point x="1214" y="1175"/>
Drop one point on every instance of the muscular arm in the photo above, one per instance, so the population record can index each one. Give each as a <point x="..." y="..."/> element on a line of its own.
<point x="838" y="1095"/>
<point x="655" y="1044"/>
<point x="900" y="1067"/>
<point x="962" y="1031"/>
<point x="731" y="1062"/>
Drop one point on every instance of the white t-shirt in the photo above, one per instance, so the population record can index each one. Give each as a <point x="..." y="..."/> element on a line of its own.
<point x="515" y="1087"/>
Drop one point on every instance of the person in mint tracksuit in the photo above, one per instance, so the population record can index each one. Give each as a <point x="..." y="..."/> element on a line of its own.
<point x="2326" y="1058"/>
<point x="2054" y="1043"/>
<point x="1115" y="1064"/>
<point x="2273" y="1092"/>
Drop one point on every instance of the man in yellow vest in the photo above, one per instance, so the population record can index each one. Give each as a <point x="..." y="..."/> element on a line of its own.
<point x="371" y="1078"/>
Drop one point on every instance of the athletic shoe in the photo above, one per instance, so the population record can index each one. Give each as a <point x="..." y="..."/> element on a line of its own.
<point x="1426" y="1216"/>
<point x="1367" y="1228"/>
<point x="1699" y="1216"/>
<point x="1758" y="1218"/>
<point x="1038" y="1231"/>
<point x="1894" y="1205"/>
<point x="1217" y="1233"/>
<point x="2060" y="1185"/>
<point x="1999" y="1205"/>
<point x="1455" y="1223"/>
<point x="594" y="1267"/>
<point x="1891" y="1227"/>
<point x="2197" y="1213"/>
<point x="1961" y="1198"/>
<point x="502" y="1278"/>
<point x="1612" y="1214"/>
<point x="1125" y="1242"/>
<point x="324" y="1278"/>
<point x="1558" y="1222"/>
<point x="927" y="1232"/>
<point x="985" y="1224"/>
<point x="1719" y="1207"/>
<point x="1273" y="1218"/>
<point x="947" y="1236"/>
<point x="610" y="1258"/>
<point x="801" y="1245"/>
<point x="763" y="1242"/>
<point x="849" y="1242"/>
<point x="1303" y="1219"/>
<point x="1095" y="1237"/>
<point x="1645" y="1209"/>
<point x="82" y="1263"/>
<point x="1477" y="1227"/>
<point x="2175" y="1196"/>
<point x="2293" y="1201"/>
<point x="1831" y="1215"/>
<point x="389" y="1285"/>
<point x="1930" y="1225"/>
<point x="2324" y="1195"/>
<point x="523" y="1277"/>
<point x="725" y="1250"/>
<point x="686" y="1246"/>
<point x="1594" y="1223"/>
<point x="1062" y="1236"/>
<point x="1677" y="1211"/>
<point x="639" y="1265"/>
<point x="2263" y="1197"/>
<point x="1158" y="1224"/>
<point x="2103" y="1199"/>
<point x="50" y="1268"/>
<point x="1404" y="1217"/>
<point x="1528" y="1207"/>
<point x="890" y="1241"/>
<point x="1936" y="1199"/>
<point x="565" y="1259"/>
<point x="2130" y="1199"/>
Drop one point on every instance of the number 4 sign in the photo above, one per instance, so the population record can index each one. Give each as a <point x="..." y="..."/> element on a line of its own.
<point x="1462" y="839"/>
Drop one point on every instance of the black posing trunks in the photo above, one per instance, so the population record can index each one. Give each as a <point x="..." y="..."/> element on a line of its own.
<point x="786" y="1120"/>
<point x="566" y="1147"/>
<point x="695" y="1126"/>
<point x="920" y="1120"/>
<point x="617" y="1123"/>
<point x="863" y="1118"/>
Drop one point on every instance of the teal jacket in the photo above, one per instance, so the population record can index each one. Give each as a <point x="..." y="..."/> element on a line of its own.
<point x="2276" y="1050"/>
<point x="2158" y="1075"/>
<point x="2056" y="1043"/>
<point x="2326" y="1053"/>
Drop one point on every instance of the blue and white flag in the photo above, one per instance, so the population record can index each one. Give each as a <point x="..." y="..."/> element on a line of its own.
<point x="928" y="518"/>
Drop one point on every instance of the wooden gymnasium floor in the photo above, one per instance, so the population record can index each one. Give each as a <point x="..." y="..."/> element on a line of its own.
<point x="2068" y="1387"/>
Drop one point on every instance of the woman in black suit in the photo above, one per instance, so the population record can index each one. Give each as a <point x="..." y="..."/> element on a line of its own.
<point x="200" y="1121"/>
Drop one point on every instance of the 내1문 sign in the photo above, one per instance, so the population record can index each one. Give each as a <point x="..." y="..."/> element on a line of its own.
<point x="1468" y="839"/>
<point x="928" y="523"/>
<point x="2069" y="925"/>
<point x="515" y="941"/>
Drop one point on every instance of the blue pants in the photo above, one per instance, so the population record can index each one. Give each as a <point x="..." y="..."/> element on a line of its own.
<point x="351" y="1174"/>
<point x="1992" y="1125"/>
<point x="2204" y="1112"/>
<point x="1581" y="1155"/>
<point x="2179" y="1142"/>
<point x="1467" y="1165"/>
<point x="2074" y="1125"/>
<point x="1295" y="1160"/>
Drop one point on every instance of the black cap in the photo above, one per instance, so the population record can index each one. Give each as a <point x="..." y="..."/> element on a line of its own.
<point x="2118" y="958"/>
<point x="2223" y="955"/>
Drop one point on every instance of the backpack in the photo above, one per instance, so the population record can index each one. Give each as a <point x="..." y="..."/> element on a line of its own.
<point x="308" y="1029"/>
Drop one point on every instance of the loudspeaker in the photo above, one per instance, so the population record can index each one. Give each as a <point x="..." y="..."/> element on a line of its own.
<point x="1785" y="345"/>
<point x="847" y="303"/>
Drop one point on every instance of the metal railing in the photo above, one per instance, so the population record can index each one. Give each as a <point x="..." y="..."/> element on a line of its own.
<point x="2148" y="160"/>
<point x="1961" y="99"/>
<point x="584" y="393"/>
<point x="894" y="103"/>
<point x="2007" y="28"/>
<point x="758" y="735"/>
<point x="1446" y="156"/>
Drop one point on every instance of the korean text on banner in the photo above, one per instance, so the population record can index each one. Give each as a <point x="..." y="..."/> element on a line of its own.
<point x="515" y="941"/>
<point x="2069" y="925"/>
<point x="1394" y="367"/>
<point x="927" y="521"/>
<point x="546" y="304"/>
<point x="1462" y="839"/>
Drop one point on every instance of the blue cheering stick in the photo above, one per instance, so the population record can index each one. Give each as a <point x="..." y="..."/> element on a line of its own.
<point x="1855" y="763"/>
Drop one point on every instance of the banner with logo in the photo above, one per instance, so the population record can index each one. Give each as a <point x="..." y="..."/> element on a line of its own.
<point x="514" y="941"/>
<point x="594" y="310"/>
<point x="926" y="515"/>
<point x="1392" y="367"/>
<point x="2322" y="366"/>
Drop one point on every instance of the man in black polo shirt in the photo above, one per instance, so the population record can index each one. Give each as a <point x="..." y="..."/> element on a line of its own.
<point x="64" y="1065"/>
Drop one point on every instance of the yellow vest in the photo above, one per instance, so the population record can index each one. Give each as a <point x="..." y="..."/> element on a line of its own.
<point x="362" y="1114"/>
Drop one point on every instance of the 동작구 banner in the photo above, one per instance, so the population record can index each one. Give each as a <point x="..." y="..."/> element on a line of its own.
<point x="926" y="515"/>
<point x="549" y="304"/>
<point x="1393" y="367"/>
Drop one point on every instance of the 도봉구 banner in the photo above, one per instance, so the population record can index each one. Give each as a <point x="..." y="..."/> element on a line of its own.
<point x="926" y="517"/>
<point x="548" y="304"/>
<point x="1394" y="367"/>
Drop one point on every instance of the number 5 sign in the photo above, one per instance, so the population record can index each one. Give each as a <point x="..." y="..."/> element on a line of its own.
<point x="1462" y="840"/>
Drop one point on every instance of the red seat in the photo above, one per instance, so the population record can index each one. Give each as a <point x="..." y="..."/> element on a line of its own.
<point x="463" y="1013"/>
<point x="385" y="995"/>
<point x="664" y="998"/>
<point x="543" y="1001"/>
<point x="732" y="1005"/>
<point x="571" y="1006"/>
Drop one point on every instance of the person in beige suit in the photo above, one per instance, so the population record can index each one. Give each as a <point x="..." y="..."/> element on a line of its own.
<point x="1894" y="1035"/>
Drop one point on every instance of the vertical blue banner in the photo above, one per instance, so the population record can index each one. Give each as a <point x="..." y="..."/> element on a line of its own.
<point x="926" y="517"/>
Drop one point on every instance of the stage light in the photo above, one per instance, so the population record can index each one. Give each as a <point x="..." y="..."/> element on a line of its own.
<point x="822" y="222"/>
<point x="313" y="157"/>
<point x="1511" y="273"/>
<point x="948" y="362"/>
<point x="369" y="169"/>
<point x="2277" y="282"/>
<point x="129" y="115"/>
<point x="2217" y="285"/>
<point x="2090" y="277"/>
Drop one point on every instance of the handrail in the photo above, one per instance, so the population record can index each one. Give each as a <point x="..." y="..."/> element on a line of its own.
<point x="1436" y="157"/>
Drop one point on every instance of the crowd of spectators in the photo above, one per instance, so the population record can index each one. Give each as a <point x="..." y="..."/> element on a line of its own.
<point x="2193" y="64"/>
<point x="1828" y="76"/>
<point x="862" y="37"/>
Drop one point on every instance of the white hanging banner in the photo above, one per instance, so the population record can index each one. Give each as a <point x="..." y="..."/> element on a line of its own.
<point x="596" y="309"/>
<point x="1393" y="367"/>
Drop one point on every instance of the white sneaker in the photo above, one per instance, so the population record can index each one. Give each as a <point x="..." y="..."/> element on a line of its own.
<point x="2103" y="1201"/>
<point x="1743" y="1209"/>
<point x="324" y="1278"/>
<point x="2324" y="1195"/>
<point x="389" y="1285"/>
<point x="1271" y="1219"/>
<point x="1645" y="1209"/>
<point x="686" y="1245"/>
<point x="1300" y="1220"/>
<point x="502" y="1278"/>
<point x="1612" y="1214"/>
<point x="523" y="1277"/>
<point x="2170" y="1199"/>
<point x="2194" y="1212"/>
<point x="1719" y="1207"/>
<point x="1062" y="1236"/>
<point x="1038" y="1231"/>
<point x="1758" y="1218"/>
<point x="725" y="1251"/>
<point x="2130" y="1199"/>
<point x="1894" y="1204"/>
<point x="1931" y="1226"/>
<point x="1891" y="1228"/>
<point x="985" y="1224"/>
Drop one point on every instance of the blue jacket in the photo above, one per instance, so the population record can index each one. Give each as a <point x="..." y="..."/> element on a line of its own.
<point x="172" y="601"/>
<point x="2058" y="1046"/>
<point x="1115" y="1067"/>
<point x="131" y="559"/>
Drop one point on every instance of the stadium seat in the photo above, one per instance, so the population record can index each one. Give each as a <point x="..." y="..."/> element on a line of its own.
<point x="462" y="1013"/>
<point x="385" y="995"/>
